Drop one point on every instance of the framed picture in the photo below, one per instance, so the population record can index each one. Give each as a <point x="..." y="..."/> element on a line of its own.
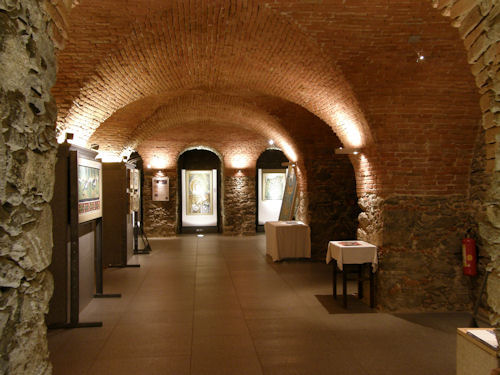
<point x="89" y="190"/>
<point x="161" y="188"/>
<point x="199" y="193"/>
<point x="273" y="184"/>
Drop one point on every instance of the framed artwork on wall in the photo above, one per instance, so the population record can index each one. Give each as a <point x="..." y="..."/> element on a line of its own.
<point x="161" y="188"/>
<point x="273" y="184"/>
<point x="89" y="189"/>
<point x="199" y="193"/>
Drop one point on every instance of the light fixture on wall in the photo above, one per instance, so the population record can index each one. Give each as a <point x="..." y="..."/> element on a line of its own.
<point x="420" y="57"/>
<point x="347" y="150"/>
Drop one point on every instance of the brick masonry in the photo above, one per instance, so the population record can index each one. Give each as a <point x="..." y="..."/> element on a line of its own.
<point x="418" y="121"/>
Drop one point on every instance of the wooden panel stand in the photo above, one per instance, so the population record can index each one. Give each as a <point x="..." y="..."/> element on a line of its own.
<point x="117" y="216"/>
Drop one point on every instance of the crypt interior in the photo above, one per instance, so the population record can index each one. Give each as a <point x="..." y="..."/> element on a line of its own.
<point x="387" y="111"/>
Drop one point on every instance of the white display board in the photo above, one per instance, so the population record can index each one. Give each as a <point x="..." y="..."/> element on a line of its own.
<point x="268" y="204"/>
<point x="199" y="198"/>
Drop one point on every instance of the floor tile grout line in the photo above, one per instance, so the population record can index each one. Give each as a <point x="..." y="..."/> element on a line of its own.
<point x="243" y="315"/>
<point x="115" y="325"/>
<point x="194" y="306"/>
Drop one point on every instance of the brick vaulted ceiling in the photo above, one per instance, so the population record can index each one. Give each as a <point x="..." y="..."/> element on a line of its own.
<point x="132" y="69"/>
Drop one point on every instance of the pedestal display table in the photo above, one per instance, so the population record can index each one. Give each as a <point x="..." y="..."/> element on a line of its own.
<point x="287" y="239"/>
<point x="346" y="253"/>
<point x="477" y="351"/>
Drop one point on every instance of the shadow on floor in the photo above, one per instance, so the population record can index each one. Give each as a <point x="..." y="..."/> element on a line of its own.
<point x="444" y="321"/>
<point x="335" y="306"/>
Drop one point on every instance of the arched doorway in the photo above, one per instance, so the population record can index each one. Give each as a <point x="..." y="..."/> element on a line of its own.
<point x="199" y="197"/>
<point x="269" y="169"/>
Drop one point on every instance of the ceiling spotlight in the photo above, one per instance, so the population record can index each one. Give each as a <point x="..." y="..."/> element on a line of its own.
<point x="149" y="166"/>
<point x="271" y="142"/>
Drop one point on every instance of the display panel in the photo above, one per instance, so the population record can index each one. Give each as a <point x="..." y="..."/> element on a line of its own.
<point x="273" y="184"/>
<point x="160" y="188"/>
<point x="199" y="193"/>
<point x="89" y="190"/>
<point x="288" y="204"/>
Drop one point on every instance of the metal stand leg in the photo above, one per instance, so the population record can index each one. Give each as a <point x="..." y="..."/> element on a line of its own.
<point x="98" y="265"/>
<point x="360" y="281"/>
<point x="334" y="279"/>
<point x="344" y="286"/>
<point x="372" y="288"/>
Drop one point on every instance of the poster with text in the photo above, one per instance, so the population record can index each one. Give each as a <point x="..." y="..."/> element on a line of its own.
<point x="160" y="189"/>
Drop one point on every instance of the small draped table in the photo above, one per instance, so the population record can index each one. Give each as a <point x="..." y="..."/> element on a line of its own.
<point x="287" y="239"/>
<point x="346" y="253"/>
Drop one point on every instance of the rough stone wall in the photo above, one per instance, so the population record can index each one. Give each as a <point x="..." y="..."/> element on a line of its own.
<point x="238" y="215"/>
<point x="27" y="159"/>
<point x="421" y="254"/>
<point x="478" y="24"/>
<point x="332" y="202"/>
<point x="160" y="218"/>
<point x="480" y="182"/>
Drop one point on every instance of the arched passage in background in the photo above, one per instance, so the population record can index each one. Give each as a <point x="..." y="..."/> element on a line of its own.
<point x="199" y="193"/>
<point x="268" y="206"/>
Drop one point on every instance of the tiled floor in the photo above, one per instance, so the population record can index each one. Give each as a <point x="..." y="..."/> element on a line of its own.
<point x="217" y="305"/>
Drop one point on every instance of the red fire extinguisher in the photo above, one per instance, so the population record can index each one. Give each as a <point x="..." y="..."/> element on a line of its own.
<point x="469" y="255"/>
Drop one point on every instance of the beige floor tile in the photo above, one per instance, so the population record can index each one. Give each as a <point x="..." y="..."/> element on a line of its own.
<point x="218" y="305"/>
<point x="179" y="365"/>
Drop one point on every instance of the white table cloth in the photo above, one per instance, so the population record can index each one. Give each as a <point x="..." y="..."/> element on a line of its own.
<point x="287" y="239"/>
<point x="352" y="252"/>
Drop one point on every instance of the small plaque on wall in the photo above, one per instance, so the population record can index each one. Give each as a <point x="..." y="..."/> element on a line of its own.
<point x="160" y="189"/>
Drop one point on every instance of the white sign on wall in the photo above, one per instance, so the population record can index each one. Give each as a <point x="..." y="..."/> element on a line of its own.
<point x="160" y="188"/>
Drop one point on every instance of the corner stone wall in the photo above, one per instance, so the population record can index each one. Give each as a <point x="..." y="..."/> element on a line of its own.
<point x="332" y="202"/>
<point x="27" y="159"/>
<point x="160" y="218"/>
<point x="420" y="252"/>
<point x="478" y="24"/>
<point x="421" y="256"/>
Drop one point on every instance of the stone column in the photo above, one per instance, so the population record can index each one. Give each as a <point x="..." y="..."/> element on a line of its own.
<point x="239" y="207"/>
<point x="27" y="159"/>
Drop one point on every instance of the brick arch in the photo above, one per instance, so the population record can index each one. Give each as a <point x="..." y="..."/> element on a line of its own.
<point x="223" y="46"/>
<point x="216" y="108"/>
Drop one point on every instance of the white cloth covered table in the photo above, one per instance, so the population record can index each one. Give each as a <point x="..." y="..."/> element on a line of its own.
<point x="352" y="252"/>
<point x="287" y="239"/>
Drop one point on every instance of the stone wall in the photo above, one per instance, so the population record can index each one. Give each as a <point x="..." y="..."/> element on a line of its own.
<point x="332" y="202"/>
<point x="160" y="218"/>
<point x="27" y="159"/>
<point x="239" y="210"/>
<point x="421" y="254"/>
<point x="480" y="181"/>
<point x="478" y="24"/>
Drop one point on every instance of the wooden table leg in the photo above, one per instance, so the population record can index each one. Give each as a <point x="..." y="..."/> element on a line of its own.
<point x="372" y="288"/>
<point x="334" y="279"/>
<point x="344" y="286"/>
<point x="360" y="281"/>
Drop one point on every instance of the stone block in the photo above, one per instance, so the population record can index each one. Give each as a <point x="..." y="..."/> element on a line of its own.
<point x="493" y="291"/>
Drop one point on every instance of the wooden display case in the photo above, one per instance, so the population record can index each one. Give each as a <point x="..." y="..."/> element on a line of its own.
<point x="118" y="208"/>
